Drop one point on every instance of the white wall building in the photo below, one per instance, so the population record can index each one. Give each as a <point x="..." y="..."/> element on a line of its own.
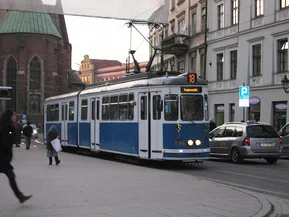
<point x="183" y="40"/>
<point x="248" y="43"/>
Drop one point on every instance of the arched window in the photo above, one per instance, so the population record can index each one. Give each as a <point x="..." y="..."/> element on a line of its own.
<point x="11" y="81"/>
<point x="35" y="74"/>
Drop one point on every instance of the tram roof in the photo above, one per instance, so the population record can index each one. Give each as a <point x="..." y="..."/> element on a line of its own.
<point x="144" y="80"/>
<point x="138" y="80"/>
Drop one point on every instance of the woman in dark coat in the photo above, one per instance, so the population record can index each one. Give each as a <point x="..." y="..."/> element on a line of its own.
<point x="7" y="138"/>
<point x="18" y="129"/>
<point x="51" y="135"/>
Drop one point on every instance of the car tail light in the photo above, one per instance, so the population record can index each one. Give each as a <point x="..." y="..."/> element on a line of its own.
<point x="246" y="142"/>
<point x="280" y="140"/>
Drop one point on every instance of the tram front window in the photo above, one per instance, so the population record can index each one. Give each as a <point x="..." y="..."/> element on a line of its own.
<point x="192" y="108"/>
<point x="171" y="107"/>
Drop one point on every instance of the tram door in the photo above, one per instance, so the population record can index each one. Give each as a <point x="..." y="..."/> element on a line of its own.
<point x="156" y="122"/>
<point x="94" y="124"/>
<point x="143" y="131"/>
<point x="64" y="112"/>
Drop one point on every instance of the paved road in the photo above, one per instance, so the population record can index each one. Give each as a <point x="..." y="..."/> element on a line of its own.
<point x="83" y="186"/>
<point x="255" y="175"/>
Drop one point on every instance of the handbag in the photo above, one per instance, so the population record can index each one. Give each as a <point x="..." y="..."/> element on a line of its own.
<point x="56" y="145"/>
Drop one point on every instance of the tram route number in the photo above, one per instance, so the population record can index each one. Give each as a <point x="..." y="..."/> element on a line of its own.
<point x="192" y="78"/>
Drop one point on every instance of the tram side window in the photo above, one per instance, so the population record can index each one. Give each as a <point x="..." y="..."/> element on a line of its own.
<point x="131" y="106"/>
<point x="156" y="113"/>
<point x="71" y="111"/>
<point x="171" y="108"/>
<point x="93" y="110"/>
<point x="192" y="107"/>
<point x="105" y="108"/>
<point x="53" y="112"/>
<point x="113" y="107"/>
<point x="143" y="108"/>
<point x="84" y="109"/>
<point x="123" y="107"/>
<point x="64" y="112"/>
<point x="56" y="112"/>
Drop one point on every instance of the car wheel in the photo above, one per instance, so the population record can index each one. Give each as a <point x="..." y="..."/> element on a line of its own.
<point x="236" y="156"/>
<point x="271" y="160"/>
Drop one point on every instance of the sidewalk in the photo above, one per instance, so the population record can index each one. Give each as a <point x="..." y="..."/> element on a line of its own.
<point x="83" y="186"/>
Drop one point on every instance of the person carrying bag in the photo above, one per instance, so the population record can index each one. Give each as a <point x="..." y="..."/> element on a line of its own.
<point x="53" y="137"/>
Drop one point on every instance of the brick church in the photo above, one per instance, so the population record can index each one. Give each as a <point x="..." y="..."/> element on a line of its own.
<point x="35" y="60"/>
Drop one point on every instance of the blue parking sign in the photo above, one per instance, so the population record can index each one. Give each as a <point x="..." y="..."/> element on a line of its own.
<point x="244" y="94"/>
<point x="23" y="117"/>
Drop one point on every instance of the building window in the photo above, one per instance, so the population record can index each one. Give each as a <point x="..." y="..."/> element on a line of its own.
<point x="235" y="12"/>
<point x="172" y="65"/>
<point x="203" y="19"/>
<point x="194" y="23"/>
<point x="34" y="103"/>
<point x="11" y="80"/>
<point x="259" y="8"/>
<point x="35" y="74"/>
<point x="221" y="16"/>
<point x="284" y="3"/>
<point x="279" y="114"/>
<point x="256" y="59"/>
<point x="232" y="112"/>
<point x="193" y="63"/>
<point x="181" y="66"/>
<point x="202" y="65"/>
<point x="219" y="114"/>
<point x="233" y="64"/>
<point x="254" y="110"/>
<point x="182" y="27"/>
<point x="220" y="65"/>
<point x="282" y="55"/>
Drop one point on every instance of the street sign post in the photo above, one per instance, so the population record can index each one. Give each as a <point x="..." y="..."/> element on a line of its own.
<point x="244" y="94"/>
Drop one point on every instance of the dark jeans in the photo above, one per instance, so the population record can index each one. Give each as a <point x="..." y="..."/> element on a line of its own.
<point x="12" y="180"/>
<point x="27" y="141"/>
<point x="56" y="159"/>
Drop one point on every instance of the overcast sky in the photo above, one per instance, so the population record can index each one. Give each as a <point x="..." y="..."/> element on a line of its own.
<point x="105" y="39"/>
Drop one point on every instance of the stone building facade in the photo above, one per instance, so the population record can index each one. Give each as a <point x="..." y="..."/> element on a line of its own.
<point x="35" y="60"/>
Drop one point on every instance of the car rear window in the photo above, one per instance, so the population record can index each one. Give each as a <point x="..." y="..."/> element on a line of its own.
<point x="261" y="131"/>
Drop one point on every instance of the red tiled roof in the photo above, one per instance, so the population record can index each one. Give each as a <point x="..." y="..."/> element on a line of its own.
<point x="98" y="64"/>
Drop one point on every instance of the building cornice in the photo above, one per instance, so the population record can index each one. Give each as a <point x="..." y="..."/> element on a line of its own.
<point x="280" y="33"/>
<point x="256" y="39"/>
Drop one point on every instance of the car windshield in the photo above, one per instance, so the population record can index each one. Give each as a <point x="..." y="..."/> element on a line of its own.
<point x="261" y="131"/>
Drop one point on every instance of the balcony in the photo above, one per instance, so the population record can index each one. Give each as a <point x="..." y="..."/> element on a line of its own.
<point x="176" y="44"/>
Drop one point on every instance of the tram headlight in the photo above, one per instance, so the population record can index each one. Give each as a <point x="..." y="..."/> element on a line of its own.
<point x="190" y="142"/>
<point x="198" y="142"/>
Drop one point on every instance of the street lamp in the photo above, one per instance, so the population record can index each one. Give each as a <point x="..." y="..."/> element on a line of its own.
<point x="285" y="82"/>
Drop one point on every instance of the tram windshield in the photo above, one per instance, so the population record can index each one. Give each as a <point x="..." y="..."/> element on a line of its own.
<point x="192" y="107"/>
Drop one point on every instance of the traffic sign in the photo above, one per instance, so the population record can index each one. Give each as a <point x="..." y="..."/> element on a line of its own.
<point x="244" y="95"/>
<point x="23" y="117"/>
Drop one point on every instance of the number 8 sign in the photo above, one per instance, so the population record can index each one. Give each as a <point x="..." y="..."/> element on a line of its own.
<point x="192" y="78"/>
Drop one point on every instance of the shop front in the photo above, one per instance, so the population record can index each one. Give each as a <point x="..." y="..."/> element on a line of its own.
<point x="279" y="114"/>
<point x="254" y="108"/>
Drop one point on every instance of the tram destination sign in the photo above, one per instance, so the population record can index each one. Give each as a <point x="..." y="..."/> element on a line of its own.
<point x="191" y="89"/>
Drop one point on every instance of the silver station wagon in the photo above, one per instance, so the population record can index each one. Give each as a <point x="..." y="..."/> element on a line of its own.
<point x="239" y="140"/>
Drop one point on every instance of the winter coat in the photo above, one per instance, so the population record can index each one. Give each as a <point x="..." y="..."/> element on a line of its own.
<point x="51" y="135"/>
<point x="7" y="137"/>
<point x="18" y="129"/>
<point x="27" y="131"/>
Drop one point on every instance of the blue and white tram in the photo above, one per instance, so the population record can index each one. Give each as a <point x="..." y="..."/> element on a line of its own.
<point x="156" y="118"/>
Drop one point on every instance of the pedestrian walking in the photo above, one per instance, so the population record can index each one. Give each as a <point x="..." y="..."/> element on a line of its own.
<point x="18" y="132"/>
<point x="51" y="135"/>
<point x="27" y="132"/>
<point x="7" y="138"/>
